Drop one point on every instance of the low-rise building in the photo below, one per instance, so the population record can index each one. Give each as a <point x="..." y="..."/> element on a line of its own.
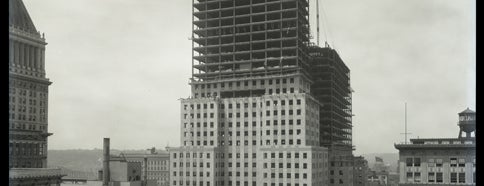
<point x="360" y="171"/>
<point x="154" y="164"/>
<point x="441" y="161"/>
<point x="377" y="178"/>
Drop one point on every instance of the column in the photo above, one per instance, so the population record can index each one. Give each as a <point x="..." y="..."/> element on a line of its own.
<point x="10" y="52"/>
<point x="27" y="56"/>
<point x="15" y="52"/>
<point x="31" y="57"/>
<point x="37" y="58"/>
<point x="21" y="54"/>
<point x="42" y="60"/>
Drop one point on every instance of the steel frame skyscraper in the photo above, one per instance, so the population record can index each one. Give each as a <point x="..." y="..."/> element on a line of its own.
<point x="251" y="119"/>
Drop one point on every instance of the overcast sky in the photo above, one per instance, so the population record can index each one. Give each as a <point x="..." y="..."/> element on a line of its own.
<point x="118" y="68"/>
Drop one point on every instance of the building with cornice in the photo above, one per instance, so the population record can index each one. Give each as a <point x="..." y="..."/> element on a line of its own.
<point x="28" y="102"/>
<point x="441" y="161"/>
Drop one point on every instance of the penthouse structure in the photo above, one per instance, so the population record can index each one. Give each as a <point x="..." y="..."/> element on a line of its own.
<point x="251" y="118"/>
<point x="441" y="161"/>
<point x="28" y="99"/>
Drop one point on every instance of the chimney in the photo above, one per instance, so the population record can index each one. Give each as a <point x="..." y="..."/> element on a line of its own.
<point x="106" y="173"/>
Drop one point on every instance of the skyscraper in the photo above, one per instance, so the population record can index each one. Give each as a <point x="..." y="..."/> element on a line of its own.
<point x="28" y="99"/>
<point x="251" y="118"/>
<point x="331" y="87"/>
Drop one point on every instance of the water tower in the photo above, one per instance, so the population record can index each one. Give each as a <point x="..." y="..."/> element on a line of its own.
<point x="467" y="123"/>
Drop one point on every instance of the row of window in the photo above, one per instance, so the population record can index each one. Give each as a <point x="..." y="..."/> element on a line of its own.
<point x="246" y="142"/>
<point x="277" y="91"/>
<point x="246" y="114"/>
<point x="246" y="124"/>
<point x="23" y="117"/>
<point x="27" y="149"/>
<point x="24" y="126"/>
<point x="31" y="110"/>
<point x="238" y="133"/>
<point x="238" y="105"/>
<point x="436" y="177"/>
<point x="416" y="162"/>
<point x="26" y="86"/>
<point x="266" y="155"/>
<point x="234" y="183"/>
<point x="246" y="83"/>
<point x="288" y="165"/>
<point x="24" y="101"/>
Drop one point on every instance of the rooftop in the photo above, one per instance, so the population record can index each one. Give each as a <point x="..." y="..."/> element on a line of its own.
<point x="19" y="173"/>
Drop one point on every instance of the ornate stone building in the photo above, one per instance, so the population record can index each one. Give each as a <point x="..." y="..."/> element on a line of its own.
<point x="28" y="102"/>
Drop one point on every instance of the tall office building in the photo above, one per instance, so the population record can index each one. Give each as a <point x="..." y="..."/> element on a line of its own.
<point x="251" y="118"/>
<point x="28" y="99"/>
<point x="331" y="86"/>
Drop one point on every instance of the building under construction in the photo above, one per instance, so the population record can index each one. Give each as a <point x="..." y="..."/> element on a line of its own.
<point x="253" y="115"/>
<point x="331" y="87"/>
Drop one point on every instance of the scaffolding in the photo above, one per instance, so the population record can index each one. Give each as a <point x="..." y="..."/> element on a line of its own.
<point x="332" y="88"/>
<point x="249" y="38"/>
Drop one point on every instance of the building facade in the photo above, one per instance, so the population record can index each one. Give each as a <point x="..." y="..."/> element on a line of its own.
<point x="331" y="86"/>
<point x="360" y="171"/>
<point x="251" y="118"/>
<point x="441" y="161"/>
<point x="28" y="102"/>
<point x="157" y="165"/>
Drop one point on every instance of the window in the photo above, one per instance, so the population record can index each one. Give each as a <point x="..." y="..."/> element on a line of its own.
<point x="453" y="162"/>
<point x="417" y="162"/>
<point x="417" y="176"/>
<point x="409" y="177"/>
<point x="462" y="177"/>
<point x="462" y="162"/>
<point x="409" y="162"/>
<point x="431" y="177"/>
<point x="453" y="177"/>
<point x="438" y="163"/>
<point x="439" y="177"/>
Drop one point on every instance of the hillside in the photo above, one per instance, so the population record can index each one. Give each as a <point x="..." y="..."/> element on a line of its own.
<point x="80" y="159"/>
<point x="90" y="161"/>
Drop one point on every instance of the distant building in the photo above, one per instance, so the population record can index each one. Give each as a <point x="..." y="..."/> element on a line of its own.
<point x="393" y="179"/>
<point x="379" y="165"/>
<point x="118" y="171"/>
<point x="28" y="99"/>
<point x="360" y="171"/>
<point x="377" y="178"/>
<point x="157" y="165"/>
<point x="449" y="161"/>
<point x="122" y="172"/>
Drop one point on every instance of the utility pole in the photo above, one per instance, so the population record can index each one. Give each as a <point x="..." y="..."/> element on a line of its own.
<point x="405" y="133"/>
<point x="317" y="21"/>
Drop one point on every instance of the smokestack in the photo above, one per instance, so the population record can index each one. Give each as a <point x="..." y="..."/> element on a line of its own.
<point x="106" y="173"/>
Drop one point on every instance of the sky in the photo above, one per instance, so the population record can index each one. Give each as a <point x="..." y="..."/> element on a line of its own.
<point x="119" y="67"/>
